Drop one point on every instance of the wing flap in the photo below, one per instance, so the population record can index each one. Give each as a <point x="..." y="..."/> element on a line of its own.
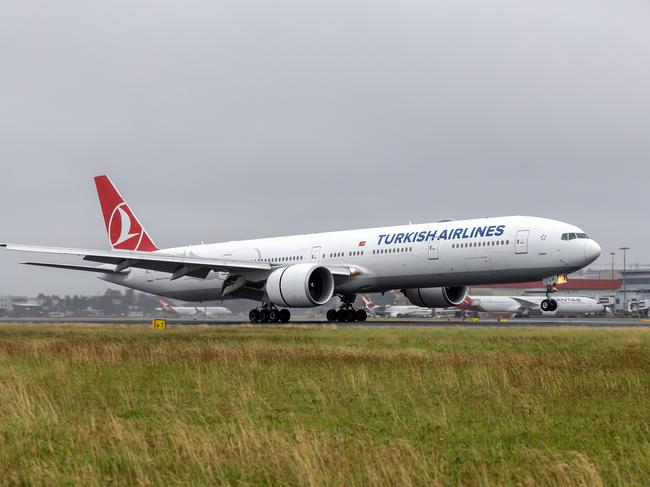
<point x="86" y="268"/>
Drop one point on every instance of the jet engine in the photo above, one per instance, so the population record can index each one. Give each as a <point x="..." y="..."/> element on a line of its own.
<point x="300" y="286"/>
<point x="436" y="297"/>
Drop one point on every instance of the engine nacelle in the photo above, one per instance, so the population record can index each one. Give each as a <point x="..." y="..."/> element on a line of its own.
<point x="300" y="286"/>
<point x="436" y="297"/>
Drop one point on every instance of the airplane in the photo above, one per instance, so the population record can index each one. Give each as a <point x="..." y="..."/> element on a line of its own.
<point x="193" y="310"/>
<point x="395" y="310"/>
<point x="525" y="304"/>
<point x="432" y="263"/>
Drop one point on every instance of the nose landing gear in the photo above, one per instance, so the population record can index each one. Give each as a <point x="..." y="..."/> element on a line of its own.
<point x="548" y="304"/>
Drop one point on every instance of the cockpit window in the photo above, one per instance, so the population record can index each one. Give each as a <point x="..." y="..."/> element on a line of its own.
<point x="573" y="236"/>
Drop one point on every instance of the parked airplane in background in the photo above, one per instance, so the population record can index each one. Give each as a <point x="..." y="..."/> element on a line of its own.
<point x="526" y="304"/>
<point x="395" y="310"/>
<point x="193" y="310"/>
<point x="434" y="263"/>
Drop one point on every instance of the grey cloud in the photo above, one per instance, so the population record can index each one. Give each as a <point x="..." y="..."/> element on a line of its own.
<point x="243" y="119"/>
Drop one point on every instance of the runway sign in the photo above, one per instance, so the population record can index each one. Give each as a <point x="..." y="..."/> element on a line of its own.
<point x="158" y="324"/>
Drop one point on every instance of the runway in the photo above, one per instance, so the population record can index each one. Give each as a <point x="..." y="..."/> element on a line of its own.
<point x="371" y="323"/>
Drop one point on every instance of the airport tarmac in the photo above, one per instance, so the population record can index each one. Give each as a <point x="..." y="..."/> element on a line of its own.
<point x="371" y="323"/>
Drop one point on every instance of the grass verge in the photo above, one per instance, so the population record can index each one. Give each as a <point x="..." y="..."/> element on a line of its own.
<point x="324" y="406"/>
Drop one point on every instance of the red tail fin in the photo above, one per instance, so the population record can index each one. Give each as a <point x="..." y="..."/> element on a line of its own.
<point x="369" y="305"/>
<point x="167" y="307"/>
<point x="124" y="230"/>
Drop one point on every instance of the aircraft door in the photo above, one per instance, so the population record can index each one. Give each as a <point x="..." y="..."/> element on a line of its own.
<point x="521" y="242"/>
<point x="315" y="254"/>
<point x="433" y="250"/>
<point x="149" y="275"/>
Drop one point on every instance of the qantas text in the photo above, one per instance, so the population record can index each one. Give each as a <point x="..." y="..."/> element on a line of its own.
<point x="451" y="234"/>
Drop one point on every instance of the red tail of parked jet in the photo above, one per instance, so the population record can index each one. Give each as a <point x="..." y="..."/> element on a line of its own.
<point x="368" y="304"/>
<point x="166" y="307"/>
<point x="124" y="230"/>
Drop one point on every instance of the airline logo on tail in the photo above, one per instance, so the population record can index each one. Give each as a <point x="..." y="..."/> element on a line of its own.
<point x="168" y="308"/>
<point x="369" y="305"/>
<point x="467" y="303"/>
<point x="124" y="230"/>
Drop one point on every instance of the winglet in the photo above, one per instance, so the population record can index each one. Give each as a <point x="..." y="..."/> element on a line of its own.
<point x="124" y="229"/>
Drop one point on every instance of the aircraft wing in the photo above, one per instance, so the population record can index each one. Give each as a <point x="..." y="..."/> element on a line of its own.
<point x="87" y="268"/>
<point x="526" y="303"/>
<point x="176" y="265"/>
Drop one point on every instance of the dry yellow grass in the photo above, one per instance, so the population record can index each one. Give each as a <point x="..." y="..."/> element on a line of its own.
<point x="324" y="406"/>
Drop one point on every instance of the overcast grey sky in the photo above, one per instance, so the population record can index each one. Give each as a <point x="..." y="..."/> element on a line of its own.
<point x="237" y="119"/>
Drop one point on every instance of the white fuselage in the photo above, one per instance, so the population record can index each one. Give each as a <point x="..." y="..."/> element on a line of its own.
<point x="462" y="252"/>
<point x="198" y="310"/>
<point x="397" y="311"/>
<point x="517" y="304"/>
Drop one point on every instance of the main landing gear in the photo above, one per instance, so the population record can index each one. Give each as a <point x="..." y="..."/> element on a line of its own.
<point x="269" y="313"/>
<point x="346" y="312"/>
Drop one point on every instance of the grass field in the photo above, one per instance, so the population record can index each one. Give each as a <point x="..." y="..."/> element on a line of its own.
<point x="324" y="406"/>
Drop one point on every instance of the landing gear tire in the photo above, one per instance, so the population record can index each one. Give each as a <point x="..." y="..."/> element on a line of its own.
<point x="274" y="315"/>
<point x="346" y="313"/>
<point x="285" y="315"/>
<point x="254" y="316"/>
<point x="264" y="315"/>
<point x="549" y="305"/>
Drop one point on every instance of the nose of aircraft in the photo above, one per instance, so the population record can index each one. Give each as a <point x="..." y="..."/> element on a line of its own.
<point x="592" y="250"/>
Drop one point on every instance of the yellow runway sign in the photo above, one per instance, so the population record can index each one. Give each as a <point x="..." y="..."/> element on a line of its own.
<point x="158" y="324"/>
